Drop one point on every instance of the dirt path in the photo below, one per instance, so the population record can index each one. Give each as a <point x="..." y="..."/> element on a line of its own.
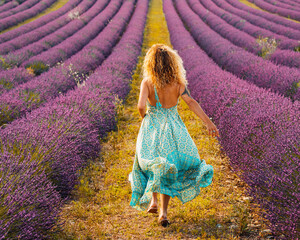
<point x="100" y="209"/>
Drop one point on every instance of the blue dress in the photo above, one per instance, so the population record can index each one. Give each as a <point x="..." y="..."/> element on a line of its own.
<point x="166" y="159"/>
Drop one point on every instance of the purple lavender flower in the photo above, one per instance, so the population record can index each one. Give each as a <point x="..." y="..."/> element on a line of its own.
<point x="43" y="30"/>
<point x="246" y="11"/>
<point x="60" y="137"/>
<point x="259" y="129"/>
<point x="280" y="79"/>
<point x="23" y="15"/>
<point x="38" y="22"/>
<point x="293" y="14"/>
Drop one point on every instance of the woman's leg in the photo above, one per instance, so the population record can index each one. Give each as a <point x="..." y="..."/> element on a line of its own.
<point x="154" y="200"/>
<point x="164" y="199"/>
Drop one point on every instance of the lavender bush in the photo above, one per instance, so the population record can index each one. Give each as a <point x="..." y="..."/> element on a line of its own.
<point x="55" y="129"/>
<point x="266" y="150"/>
<point x="32" y="94"/>
<point x="242" y="39"/>
<point x="19" y="75"/>
<point x="29" y="203"/>
<point x="24" y="6"/>
<point x="291" y="60"/>
<point x="291" y="3"/>
<point x="17" y="57"/>
<point x="74" y="118"/>
<point x="18" y="1"/>
<point x="38" y="22"/>
<point x="58" y="37"/>
<point x="22" y="16"/>
<point x="278" y="10"/>
<point x="263" y="73"/>
<point x="116" y="71"/>
<point x="246" y="10"/>
<point x="78" y="40"/>
<point x="7" y="6"/>
<point x="283" y="5"/>
<point x="235" y="36"/>
<point x="243" y="25"/>
<point x="260" y="21"/>
<point x="265" y="122"/>
<point x="94" y="53"/>
<point x="44" y="30"/>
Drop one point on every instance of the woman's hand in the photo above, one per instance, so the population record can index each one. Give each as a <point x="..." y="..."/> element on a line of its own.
<point x="212" y="129"/>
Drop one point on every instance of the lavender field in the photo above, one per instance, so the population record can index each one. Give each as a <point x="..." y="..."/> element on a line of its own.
<point x="69" y="83"/>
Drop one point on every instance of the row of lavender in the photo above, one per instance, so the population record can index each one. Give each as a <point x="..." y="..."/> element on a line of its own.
<point x="246" y="35"/>
<point x="16" y="58"/>
<point x="263" y="73"/>
<point x="262" y="22"/>
<point x="240" y="8"/>
<point x="291" y="3"/>
<point x="82" y="37"/>
<point x="38" y="22"/>
<point x="259" y="130"/>
<point x="24" y="39"/>
<point x="9" y="21"/>
<point x="266" y="21"/>
<point x="25" y="5"/>
<point x="59" y="39"/>
<point x="295" y="7"/>
<point x="293" y="14"/>
<point x="37" y="91"/>
<point x="49" y="147"/>
<point x="51" y="34"/>
<point x="7" y="5"/>
<point x="253" y="22"/>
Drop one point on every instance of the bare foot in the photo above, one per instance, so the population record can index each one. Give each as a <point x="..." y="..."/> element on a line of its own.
<point x="162" y="215"/>
<point x="152" y="207"/>
<point x="153" y="204"/>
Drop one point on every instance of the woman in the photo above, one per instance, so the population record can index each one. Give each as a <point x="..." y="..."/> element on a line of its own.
<point x="166" y="160"/>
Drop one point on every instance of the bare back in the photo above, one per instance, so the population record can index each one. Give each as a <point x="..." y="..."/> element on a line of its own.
<point x="168" y="96"/>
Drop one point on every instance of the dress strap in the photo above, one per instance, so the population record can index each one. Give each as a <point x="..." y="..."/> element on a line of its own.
<point x="158" y="104"/>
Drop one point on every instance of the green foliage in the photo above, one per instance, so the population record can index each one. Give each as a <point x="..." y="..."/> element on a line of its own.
<point x="38" y="67"/>
<point x="30" y="97"/>
<point x="4" y="64"/>
<point x="6" y="84"/>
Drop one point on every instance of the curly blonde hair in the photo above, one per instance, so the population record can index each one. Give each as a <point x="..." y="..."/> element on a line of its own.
<point x="163" y="65"/>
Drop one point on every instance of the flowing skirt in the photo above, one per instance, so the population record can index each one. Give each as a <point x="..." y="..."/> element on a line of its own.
<point x="166" y="160"/>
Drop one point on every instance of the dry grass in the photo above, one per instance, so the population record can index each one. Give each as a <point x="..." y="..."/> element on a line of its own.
<point x="58" y="4"/>
<point x="100" y="209"/>
<point x="256" y="7"/>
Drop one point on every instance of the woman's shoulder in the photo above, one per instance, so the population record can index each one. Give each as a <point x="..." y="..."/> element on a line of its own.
<point x="146" y="83"/>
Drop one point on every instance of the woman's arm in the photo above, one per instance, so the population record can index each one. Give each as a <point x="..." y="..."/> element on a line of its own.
<point x="144" y="93"/>
<point x="195" y="107"/>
